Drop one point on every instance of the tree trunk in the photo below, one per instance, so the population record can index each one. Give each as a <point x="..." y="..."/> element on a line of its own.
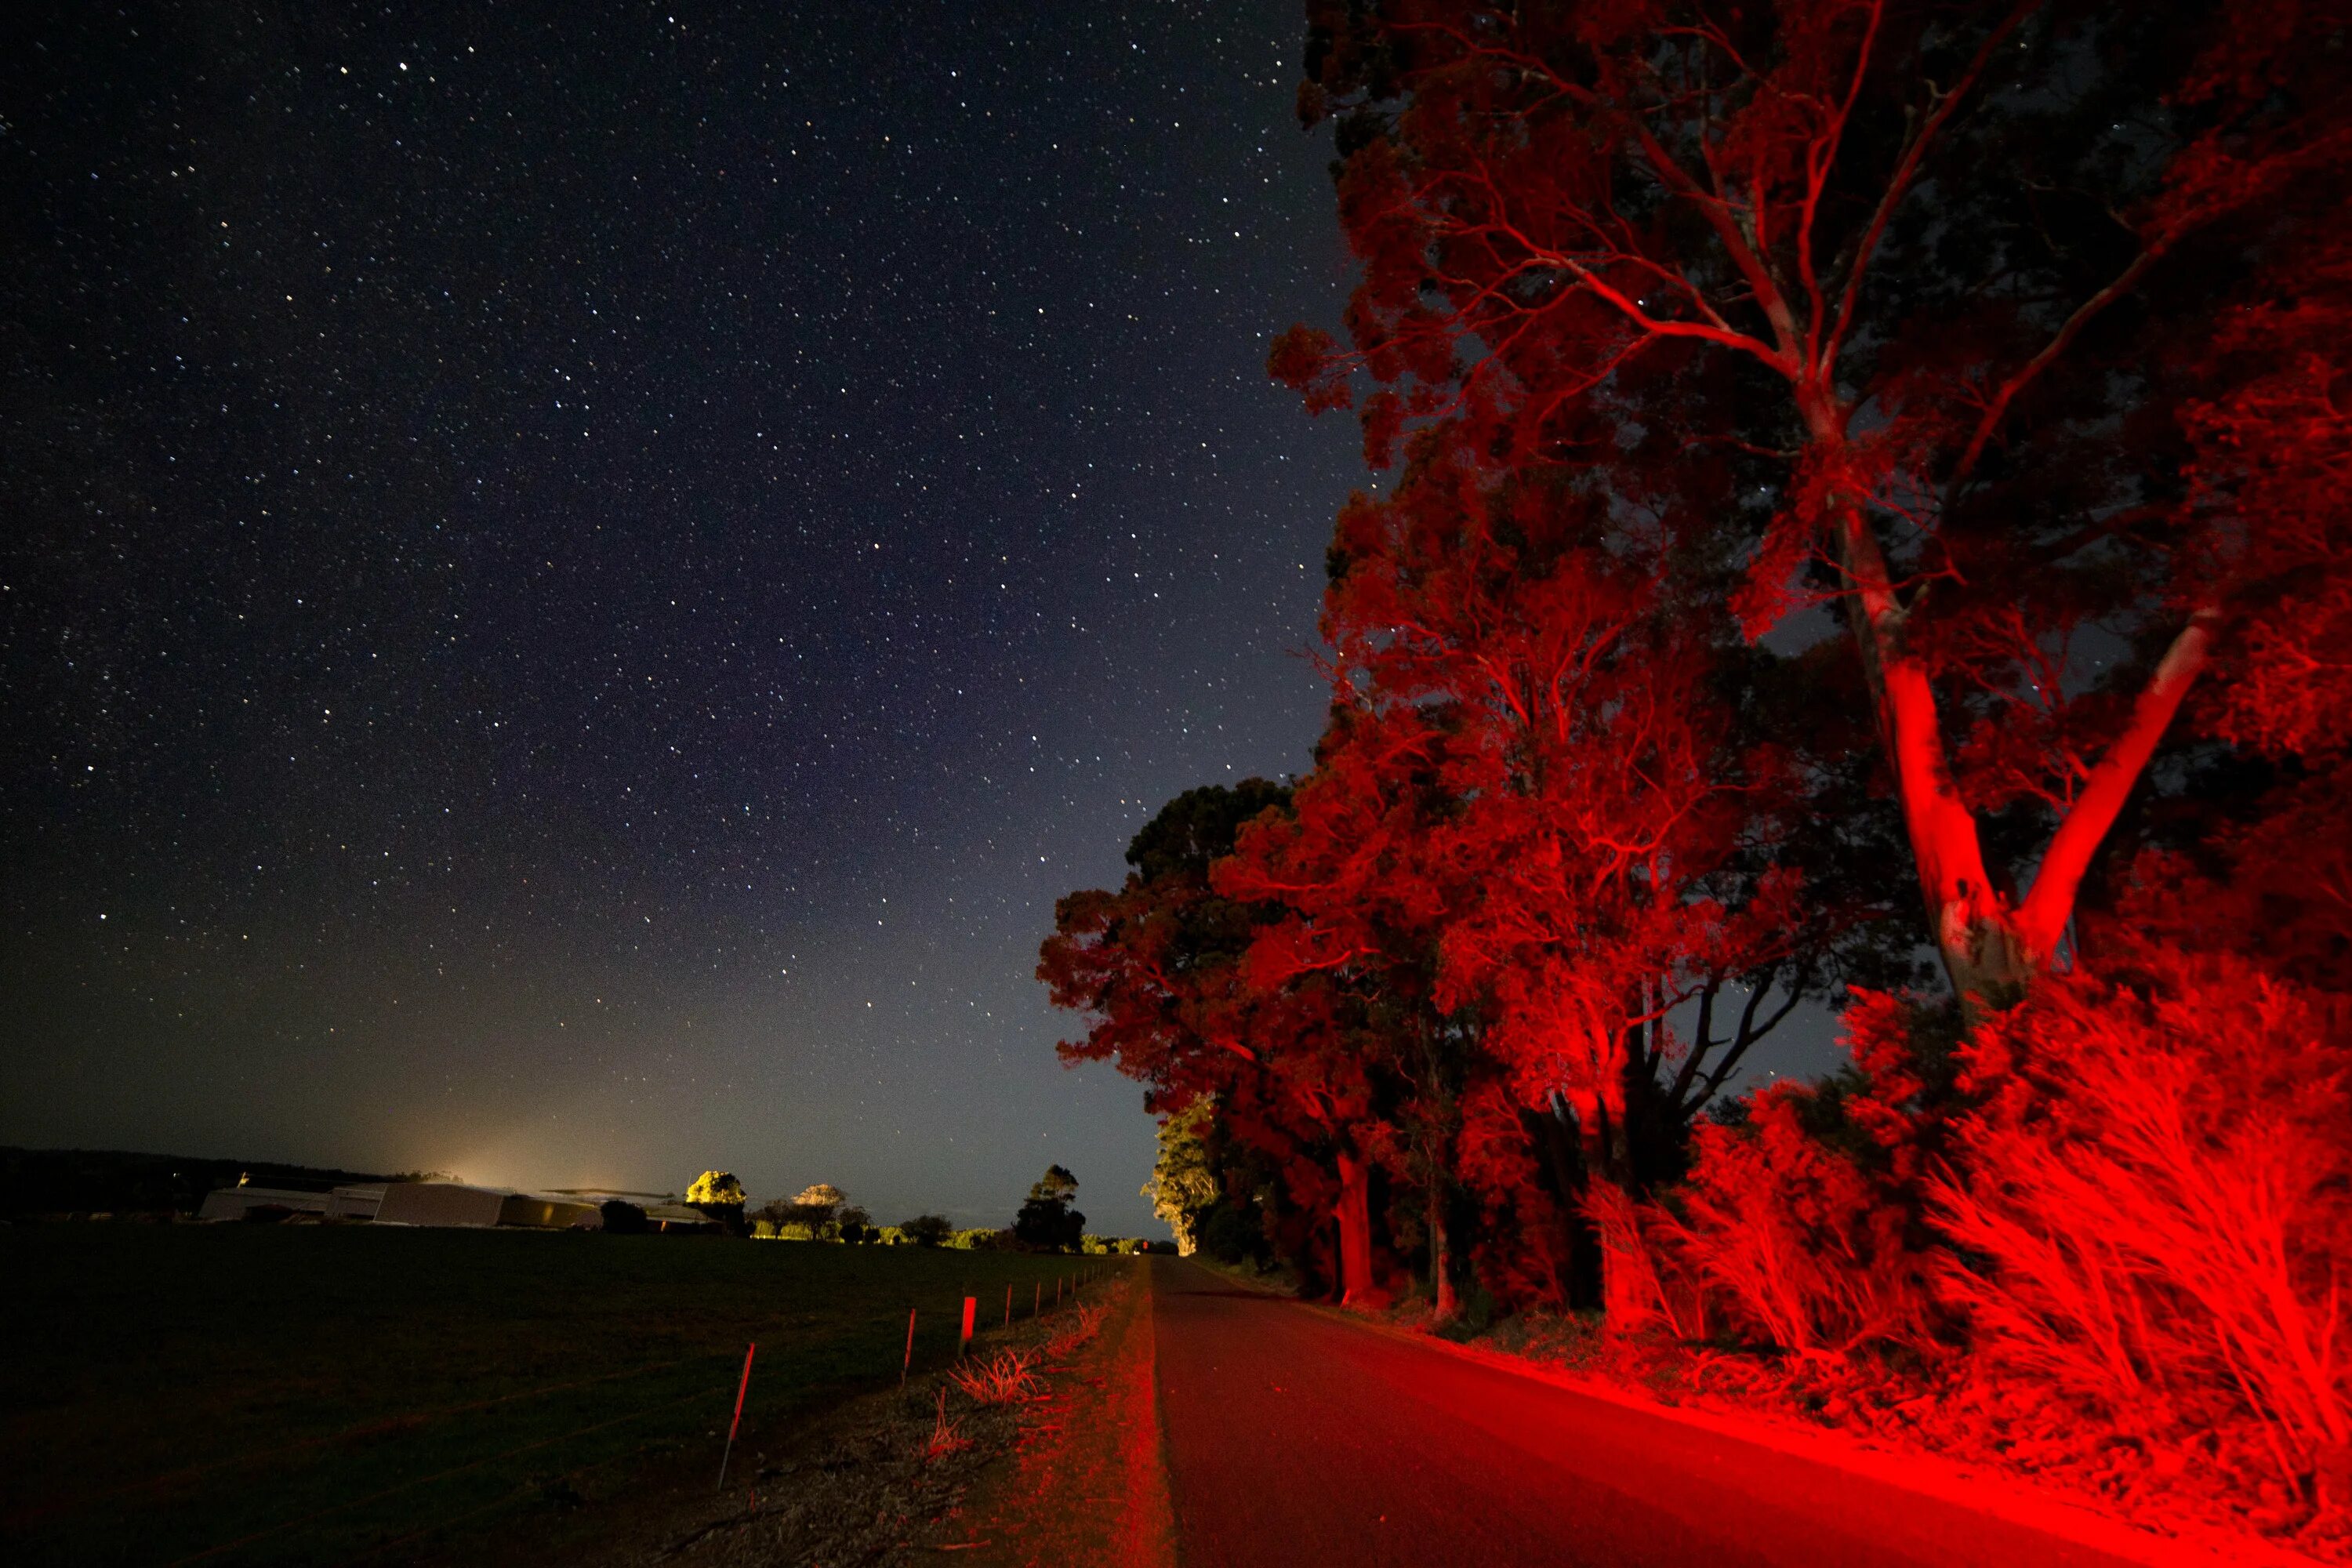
<point x="1355" y="1215"/>
<point x="1607" y="1155"/>
<point x="1548" y="1128"/>
<point x="1991" y="948"/>
<point x="1624" y="1301"/>
<point x="1971" y="923"/>
<point x="1441" y="1274"/>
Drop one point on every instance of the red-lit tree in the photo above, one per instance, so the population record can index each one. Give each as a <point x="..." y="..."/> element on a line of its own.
<point x="1157" y="968"/>
<point x="1919" y="291"/>
<point x="1362" y="907"/>
<point x="1524" y="790"/>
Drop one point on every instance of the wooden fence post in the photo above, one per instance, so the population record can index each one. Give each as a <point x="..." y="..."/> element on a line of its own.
<point x="740" y="1390"/>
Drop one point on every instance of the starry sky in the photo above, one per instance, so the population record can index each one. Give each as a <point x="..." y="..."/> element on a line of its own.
<point x="578" y="578"/>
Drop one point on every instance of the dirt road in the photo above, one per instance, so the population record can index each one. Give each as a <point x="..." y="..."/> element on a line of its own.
<point x="1295" y="1439"/>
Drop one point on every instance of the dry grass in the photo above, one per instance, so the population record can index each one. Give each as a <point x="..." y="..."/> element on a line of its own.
<point x="946" y="1436"/>
<point x="1003" y="1379"/>
<point x="1080" y="1325"/>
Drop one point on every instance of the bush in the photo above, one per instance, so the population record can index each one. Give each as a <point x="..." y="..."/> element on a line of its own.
<point x="1230" y="1236"/>
<point x="2153" y="1207"/>
<point x="1647" y="1285"/>
<point x="1793" y="1241"/>
<point x="924" y="1230"/>
<point x="981" y="1240"/>
<point x="623" y="1218"/>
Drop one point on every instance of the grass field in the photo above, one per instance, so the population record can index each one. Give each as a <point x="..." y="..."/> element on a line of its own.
<point x="324" y="1394"/>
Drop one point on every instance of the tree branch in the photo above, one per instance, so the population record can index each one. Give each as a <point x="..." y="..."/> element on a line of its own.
<point x="2046" y="909"/>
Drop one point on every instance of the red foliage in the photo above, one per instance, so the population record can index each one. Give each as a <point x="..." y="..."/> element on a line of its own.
<point x="1520" y="1243"/>
<point x="1525" y="766"/>
<point x="1704" y="237"/>
<point x="1796" y="1243"/>
<point x="1157" y="969"/>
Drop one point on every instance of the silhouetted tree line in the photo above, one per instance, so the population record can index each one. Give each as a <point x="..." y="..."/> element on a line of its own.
<point x="1868" y="526"/>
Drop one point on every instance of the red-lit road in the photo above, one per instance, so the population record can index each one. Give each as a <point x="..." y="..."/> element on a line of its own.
<point x="1296" y="1439"/>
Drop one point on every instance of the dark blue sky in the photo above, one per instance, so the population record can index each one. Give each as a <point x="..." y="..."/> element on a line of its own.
<point x="579" y="578"/>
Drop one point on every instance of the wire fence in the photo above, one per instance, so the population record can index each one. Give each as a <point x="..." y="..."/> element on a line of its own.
<point x="379" y="1442"/>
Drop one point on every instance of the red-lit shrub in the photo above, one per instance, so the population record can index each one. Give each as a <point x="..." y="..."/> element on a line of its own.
<point x="1796" y="1242"/>
<point x="2153" y="1207"/>
<point x="1652" y="1291"/>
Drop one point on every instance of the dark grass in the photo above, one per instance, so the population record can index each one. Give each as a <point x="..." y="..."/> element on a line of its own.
<point x="169" y="1389"/>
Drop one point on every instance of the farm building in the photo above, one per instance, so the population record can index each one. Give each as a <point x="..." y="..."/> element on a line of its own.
<point x="410" y="1203"/>
<point x="550" y="1213"/>
<point x="343" y="1202"/>
<point x="662" y="1212"/>
<point x="452" y="1203"/>
<point x="440" y="1203"/>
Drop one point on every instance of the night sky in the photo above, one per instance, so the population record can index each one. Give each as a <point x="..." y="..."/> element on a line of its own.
<point x="578" y="578"/>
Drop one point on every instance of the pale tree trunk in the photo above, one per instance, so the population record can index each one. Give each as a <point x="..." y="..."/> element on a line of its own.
<point x="1991" y="949"/>
<point x="1971" y="923"/>
<point x="1355" y="1216"/>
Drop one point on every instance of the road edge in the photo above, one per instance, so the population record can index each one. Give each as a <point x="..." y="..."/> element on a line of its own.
<point x="1097" y="1445"/>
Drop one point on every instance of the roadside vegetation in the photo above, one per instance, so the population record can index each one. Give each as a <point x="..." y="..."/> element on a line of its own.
<point x="1860" y="528"/>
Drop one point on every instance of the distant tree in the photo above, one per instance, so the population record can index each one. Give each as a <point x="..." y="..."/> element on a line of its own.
<point x="1183" y="1180"/>
<point x="982" y="1238"/>
<point x="816" y="1207"/>
<point x="1047" y="1219"/>
<point x="824" y="1197"/>
<point x="1156" y="968"/>
<point x="622" y="1218"/>
<point x="716" y="1187"/>
<point x="926" y="1230"/>
<point x="718" y="1195"/>
<point x="856" y="1224"/>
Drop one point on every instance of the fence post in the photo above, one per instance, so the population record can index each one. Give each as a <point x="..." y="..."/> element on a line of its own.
<point x="910" y="1348"/>
<point x="969" y="1303"/>
<point x="740" y="1390"/>
<point x="1037" y="1299"/>
<point x="1008" y="1306"/>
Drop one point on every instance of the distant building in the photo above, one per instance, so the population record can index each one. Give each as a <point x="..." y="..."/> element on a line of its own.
<point x="538" y="1213"/>
<point x="662" y="1210"/>
<point x="341" y="1203"/>
<point x="453" y="1204"/>
<point x="437" y="1204"/>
